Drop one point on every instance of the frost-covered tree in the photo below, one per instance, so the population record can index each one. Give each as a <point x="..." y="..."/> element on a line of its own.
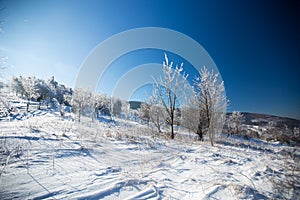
<point x="116" y="107"/>
<point x="105" y="107"/>
<point x="125" y="109"/>
<point x="57" y="90"/>
<point x="43" y="91"/>
<point x="30" y="88"/>
<point x="96" y="102"/>
<point x="157" y="115"/>
<point x="52" y="85"/>
<point x="193" y="118"/>
<point x="5" y="107"/>
<point x="168" y="89"/>
<point x="235" y="122"/>
<point x="100" y="103"/>
<point x="120" y="107"/>
<point x="194" y="115"/>
<point x="51" y="89"/>
<point x="211" y="98"/>
<point x="60" y="92"/>
<point x="144" y="112"/>
<point x="81" y="101"/>
<point x="39" y="89"/>
<point x="17" y="86"/>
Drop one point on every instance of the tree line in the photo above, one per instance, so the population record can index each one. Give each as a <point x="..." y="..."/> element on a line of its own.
<point x="81" y="101"/>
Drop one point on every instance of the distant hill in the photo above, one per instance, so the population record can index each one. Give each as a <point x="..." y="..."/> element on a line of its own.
<point x="257" y="126"/>
<point x="263" y="119"/>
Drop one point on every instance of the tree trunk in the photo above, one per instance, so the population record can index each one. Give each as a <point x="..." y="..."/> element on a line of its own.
<point x="27" y="107"/>
<point x="172" y="121"/>
<point x="172" y="132"/>
<point x="97" y="113"/>
<point x="200" y="133"/>
<point x="93" y="114"/>
<point x="211" y="135"/>
<point x="79" y="113"/>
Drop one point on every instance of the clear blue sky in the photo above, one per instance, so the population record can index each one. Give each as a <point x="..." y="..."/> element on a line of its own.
<point x="255" y="44"/>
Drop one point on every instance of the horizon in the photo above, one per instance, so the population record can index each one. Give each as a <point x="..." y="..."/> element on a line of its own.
<point x="254" y="44"/>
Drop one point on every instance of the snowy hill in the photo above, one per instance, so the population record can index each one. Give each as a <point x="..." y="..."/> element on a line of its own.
<point x="263" y="119"/>
<point x="46" y="156"/>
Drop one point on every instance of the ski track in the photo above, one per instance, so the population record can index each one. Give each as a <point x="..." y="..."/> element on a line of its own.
<point x="38" y="162"/>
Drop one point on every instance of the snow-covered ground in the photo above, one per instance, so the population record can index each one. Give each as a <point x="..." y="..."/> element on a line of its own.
<point x="45" y="156"/>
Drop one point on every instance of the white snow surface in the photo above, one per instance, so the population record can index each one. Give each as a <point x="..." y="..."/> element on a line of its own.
<point x="45" y="156"/>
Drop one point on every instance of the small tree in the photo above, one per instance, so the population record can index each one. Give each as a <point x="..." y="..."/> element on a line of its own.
<point x="212" y="101"/>
<point x="30" y="88"/>
<point x="116" y="107"/>
<point x="235" y="121"/>
<point x="43" y="91"/>
<point x="98" y="103"/>
<point x="157" y="115"/>
<point x="144" y="112"/>
<point x="105" y="106"/>
<point x="16" y="85"/>
<point x="80" y="101"/>
<point x="193" y="119"/>
<point x="168" y="89"/>
<point x="125" y="109"/>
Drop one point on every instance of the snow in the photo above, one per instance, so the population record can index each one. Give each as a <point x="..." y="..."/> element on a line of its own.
<point x="45" y="156"/>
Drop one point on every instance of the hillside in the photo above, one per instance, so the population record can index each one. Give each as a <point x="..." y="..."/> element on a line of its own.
<point x="269" y="128"/>
<point x="46" y="156"/>
<point x="263" y="119"/>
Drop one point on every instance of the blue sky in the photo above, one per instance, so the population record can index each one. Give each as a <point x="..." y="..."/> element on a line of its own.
<point x="255" y="44"/>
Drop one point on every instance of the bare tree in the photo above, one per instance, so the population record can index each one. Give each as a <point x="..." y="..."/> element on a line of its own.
<point x="211" y="98"/>
<point x="168" y="89"/>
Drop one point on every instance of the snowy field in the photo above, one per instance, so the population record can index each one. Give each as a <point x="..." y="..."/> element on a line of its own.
<point x="45" y="156"/>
